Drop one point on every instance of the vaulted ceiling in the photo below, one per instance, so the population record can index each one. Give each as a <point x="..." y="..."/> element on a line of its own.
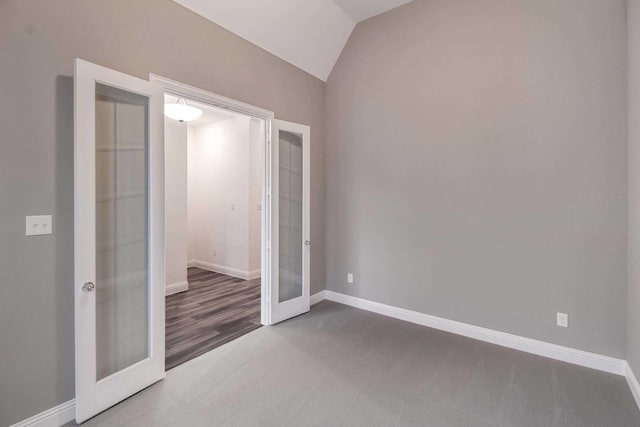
<point x="360" y="10"/>
<point x="309" y="34"/>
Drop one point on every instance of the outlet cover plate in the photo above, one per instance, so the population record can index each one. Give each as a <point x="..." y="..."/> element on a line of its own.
<point x="563" y="320"/>
<point x="38" y="225"/>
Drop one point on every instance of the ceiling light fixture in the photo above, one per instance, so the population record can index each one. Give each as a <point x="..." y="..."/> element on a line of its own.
<point x="182" y="112"/>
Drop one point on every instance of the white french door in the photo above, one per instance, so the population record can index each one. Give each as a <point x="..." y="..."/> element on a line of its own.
<point x="119" y="237"/>
<point x="289" y="243"/>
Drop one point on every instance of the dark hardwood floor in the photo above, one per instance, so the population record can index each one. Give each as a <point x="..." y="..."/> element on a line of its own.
<point x="215" y="310"/>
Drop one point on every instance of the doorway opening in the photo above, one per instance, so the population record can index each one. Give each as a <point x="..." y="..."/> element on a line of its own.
<point x="119" y="227"/>
<point x="214" y="171"/>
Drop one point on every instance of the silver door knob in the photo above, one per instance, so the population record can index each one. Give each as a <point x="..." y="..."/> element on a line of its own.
<point x="307" y="242"/>
<point x="88" y="287"/>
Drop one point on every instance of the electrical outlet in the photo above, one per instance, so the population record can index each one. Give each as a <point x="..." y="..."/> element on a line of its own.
<point x="38" y="225"/>
<point x="563" y="320"/>
<point x="215" y="253"/>
<point x="349" y="278"/>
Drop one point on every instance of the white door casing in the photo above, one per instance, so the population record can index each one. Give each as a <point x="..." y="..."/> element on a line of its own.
<point x="192" y="93"/>
<point x="272" y="310"/>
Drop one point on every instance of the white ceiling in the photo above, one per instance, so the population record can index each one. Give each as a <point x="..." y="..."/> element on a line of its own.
<point x="309" y="34"/>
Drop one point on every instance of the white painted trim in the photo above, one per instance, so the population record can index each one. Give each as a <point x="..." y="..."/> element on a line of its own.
<point x="174" y="288"/>
<point x="317" y="297"/>
<point x="196" y="94"/>
<point x="53" y="417"/>
<point x="541" y="348"/>
<point x="223" y="269"/>
<point x="255" y="274"/>
<point x="64" y="413"/>
<point x="633" y="384"/>
<point x="183" y="90"/>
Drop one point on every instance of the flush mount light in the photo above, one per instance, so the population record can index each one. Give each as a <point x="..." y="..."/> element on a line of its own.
<point x="181" y="112"/>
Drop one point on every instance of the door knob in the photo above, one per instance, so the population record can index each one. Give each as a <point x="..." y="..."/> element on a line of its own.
<point x="88" y="287"/>
<point x="307" y="242"/>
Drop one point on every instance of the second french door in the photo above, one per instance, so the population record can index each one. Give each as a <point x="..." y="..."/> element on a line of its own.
<point x="289" y="224"/>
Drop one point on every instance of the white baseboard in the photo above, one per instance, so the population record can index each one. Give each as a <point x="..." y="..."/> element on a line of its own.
<point x="317" y="297"/>
<point x="177" y="287"/>
<point x="255" y="274"/>
<point x="229" y="271"/>
<point x="65" y="412"/>
<point x="633" y="384"/>
<point x="541" y="348"/>
<point x="54" y="417"/>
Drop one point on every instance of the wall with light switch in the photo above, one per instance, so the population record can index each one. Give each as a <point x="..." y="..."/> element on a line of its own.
<point x="36" y="156"/>
<point x="221" y="197"/>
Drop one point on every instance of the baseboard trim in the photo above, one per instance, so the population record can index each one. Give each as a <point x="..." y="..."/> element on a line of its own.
<point x="54" y="417"/>
<point x="177" y="287"/>
<point x="65" y="412"/>
<point x="317" y="297"/>
<point x="255" y="274"/>
<point x="633" y="384"/>
<point x="223" y="269"/>
<point x="540" y="348"/>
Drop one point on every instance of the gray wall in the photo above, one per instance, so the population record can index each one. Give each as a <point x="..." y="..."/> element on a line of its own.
<point x="476" y="166"/>
<point x="38" y="42"/>
<point x="633" y="313"/>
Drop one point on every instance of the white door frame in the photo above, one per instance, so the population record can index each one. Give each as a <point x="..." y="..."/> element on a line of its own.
<point x="182" y="90"/>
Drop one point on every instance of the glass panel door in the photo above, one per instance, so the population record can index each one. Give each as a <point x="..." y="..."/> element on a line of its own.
<point x="290" y="243"/>
<point x="122" y="298"/>
<point x="119" y="237"/>
<point x="290" y="199"/>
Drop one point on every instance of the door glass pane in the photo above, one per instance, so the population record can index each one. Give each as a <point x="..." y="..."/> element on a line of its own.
<point x="122" y="297"/>
<point x="290" y="237"/>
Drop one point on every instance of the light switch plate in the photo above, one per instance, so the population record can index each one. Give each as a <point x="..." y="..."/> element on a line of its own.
<point x="38" y="225"/>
